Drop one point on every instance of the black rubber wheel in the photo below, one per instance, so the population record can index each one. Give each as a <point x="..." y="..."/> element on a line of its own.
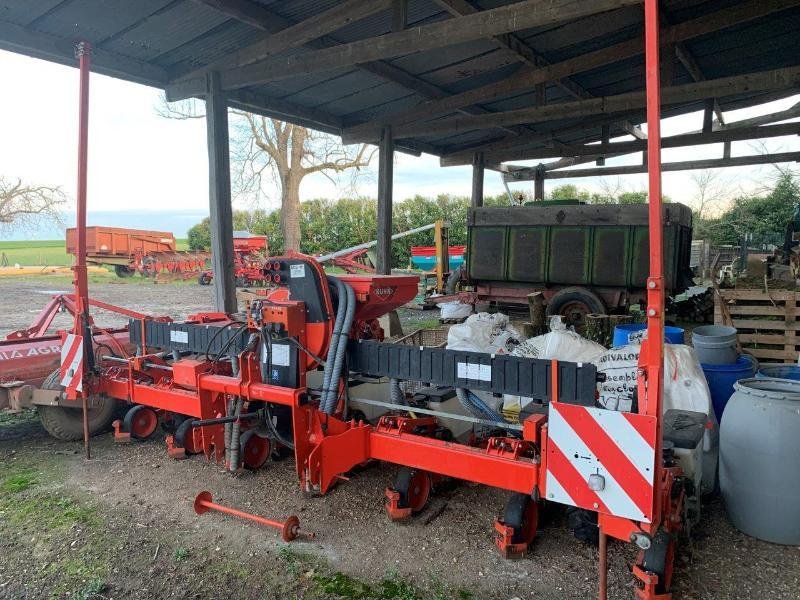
<point x="583" y="524"/>
<point x="183" y="439"/>
<point x="204" y="279"/>
<point x="124" y="271"/>
<point x="140" y="421"/>
<point x="65" y="423"/>
<point x="574" y="303"/>
<point x="521" y="513"/>
<point x="414" y="487"/>
<point x="658" y="559"/>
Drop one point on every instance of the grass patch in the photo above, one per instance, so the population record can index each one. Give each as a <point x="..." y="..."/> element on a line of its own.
<point x="19" y="482"/>
<point x="180" y="554"/>
<point x="34" y="507"/>
<point x="10" y="419"/>
<point x="35" y="253"/>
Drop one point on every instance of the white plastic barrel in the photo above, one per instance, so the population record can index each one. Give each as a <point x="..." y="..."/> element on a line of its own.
<point x="759" y="472"/>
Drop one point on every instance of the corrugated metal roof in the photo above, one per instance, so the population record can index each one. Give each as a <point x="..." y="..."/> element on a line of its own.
<point x="170" y="38"/>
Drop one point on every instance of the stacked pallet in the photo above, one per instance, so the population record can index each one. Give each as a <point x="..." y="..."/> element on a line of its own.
<point x="766" y="321"/>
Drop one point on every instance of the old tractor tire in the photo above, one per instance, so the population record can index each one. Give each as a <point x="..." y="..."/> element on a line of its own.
<point x="67" y="423"/>
<point x="124" y="271"/>
<point x="574" y="303"/>
<point x="204" y="279"/>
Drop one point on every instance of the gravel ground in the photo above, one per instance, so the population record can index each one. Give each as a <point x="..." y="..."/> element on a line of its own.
<point x="353" y="532"/>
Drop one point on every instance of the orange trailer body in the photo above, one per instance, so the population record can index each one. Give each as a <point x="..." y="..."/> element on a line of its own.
<point x="121" y="242"/>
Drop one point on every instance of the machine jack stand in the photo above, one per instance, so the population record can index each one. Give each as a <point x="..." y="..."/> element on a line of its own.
<point x="393" y="508"/>
<point x="120" y="436"/>
<point x="174" y="451"/>
<point x="503" y="539"/>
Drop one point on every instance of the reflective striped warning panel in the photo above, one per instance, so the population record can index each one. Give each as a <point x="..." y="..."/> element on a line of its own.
<point x="601" y="460"/>
<point x="72" y="363"/>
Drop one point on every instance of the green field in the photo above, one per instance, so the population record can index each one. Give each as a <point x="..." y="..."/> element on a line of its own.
<point x="34" y="253"/>
<point x="44" y="253"/>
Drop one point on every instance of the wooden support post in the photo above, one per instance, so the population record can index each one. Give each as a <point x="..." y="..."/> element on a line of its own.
<point x="538" y="183"/>
<point x="385" y="186"/>
<point x="708" y="116"/>
<point x="605" y="134"/>
<point x="442" y="244"/>
<point x="219" y="196"/>
<point x="478" y="169"/>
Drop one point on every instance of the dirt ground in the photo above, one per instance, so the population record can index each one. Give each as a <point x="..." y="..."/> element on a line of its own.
<point x="122" y="524"/>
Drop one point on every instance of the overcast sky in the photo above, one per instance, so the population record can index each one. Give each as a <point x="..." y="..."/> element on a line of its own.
<point x="154" y="170"/>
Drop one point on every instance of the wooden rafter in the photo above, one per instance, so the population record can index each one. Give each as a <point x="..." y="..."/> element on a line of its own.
<point x="504" y="19"/>
<point x="531" y="57"/>
<point x="266" y="20"/>
<point x="527" y="79"/>
<point x="292" y="36"/>
<point x="762" y="81"/>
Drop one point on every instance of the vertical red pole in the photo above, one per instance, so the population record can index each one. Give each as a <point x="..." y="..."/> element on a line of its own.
<point x="654" y="347"/>
<point x="81" y="278"/>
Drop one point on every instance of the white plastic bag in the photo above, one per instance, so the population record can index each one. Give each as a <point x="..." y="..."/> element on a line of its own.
<point x="455" y="310"/>
<point x="484" y="332"/>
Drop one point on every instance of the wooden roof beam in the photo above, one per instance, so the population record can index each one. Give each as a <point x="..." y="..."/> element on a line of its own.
<point x="527" y="79"/>
<point x="762" y="81"/>
<point x="530" y="56"/>
<point x="676" y="141"/>
<point x="286" y="38"/>
<point x="504" y="19"/>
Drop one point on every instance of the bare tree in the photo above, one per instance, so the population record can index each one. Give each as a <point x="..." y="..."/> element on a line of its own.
<point x="24" y="204"/>
<point x="712" y="192"/>
<point x="265" y="150"/>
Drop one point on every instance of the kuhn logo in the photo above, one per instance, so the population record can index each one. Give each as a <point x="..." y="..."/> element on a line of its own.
<point x="383" y="293"/>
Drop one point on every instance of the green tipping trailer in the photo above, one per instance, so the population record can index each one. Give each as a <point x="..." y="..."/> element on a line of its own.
<point x="585" y="258"/>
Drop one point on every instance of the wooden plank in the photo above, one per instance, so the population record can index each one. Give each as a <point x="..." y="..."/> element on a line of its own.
<point x="790" y="336"/>
<point x="753" y="294"/>
<point x="775" y="311"/>
<point x="775" y="79"/>
<point x="504" y="19"/>
<point x="528" y="78"/>
<point x="763" y="338"/>
<point x="773" y="354"/>
<point x="761" y="324"/>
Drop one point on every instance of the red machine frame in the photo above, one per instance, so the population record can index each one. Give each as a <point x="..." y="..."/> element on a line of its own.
<point x="327" y="445"/>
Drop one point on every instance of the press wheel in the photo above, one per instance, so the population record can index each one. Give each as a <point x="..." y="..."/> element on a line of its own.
<point x="522" y="514"/>
<point x="140" y="421"/>
<point x="414" y="487"/>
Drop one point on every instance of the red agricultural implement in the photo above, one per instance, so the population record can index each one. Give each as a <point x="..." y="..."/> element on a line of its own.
<point x="249" y="254"/>
<point x="287" y="374"/>
<point x="130" y="251"/>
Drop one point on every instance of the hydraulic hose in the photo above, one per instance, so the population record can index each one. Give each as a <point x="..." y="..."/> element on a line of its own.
<point x="453" y="279"/>
<point x="236" y="428"/>
<point x="338" y="288"/>
<point x="344" y="335"/>
<point x="230" y="408"/>
<point x="477" y="407"/>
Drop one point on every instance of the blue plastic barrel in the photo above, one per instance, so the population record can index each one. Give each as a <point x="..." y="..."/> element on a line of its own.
<point x="778" y="371"/>
<point x="721" y="378"/>
<point x="672" y="335"/>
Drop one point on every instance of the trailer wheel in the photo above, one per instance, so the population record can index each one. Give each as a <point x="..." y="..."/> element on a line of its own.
<point x="141" y="422"/>
<point x="574" y="303"/>
<point x="124" y="271"/>
<point x="65" y="423"/>
<point x="522" y="514"/>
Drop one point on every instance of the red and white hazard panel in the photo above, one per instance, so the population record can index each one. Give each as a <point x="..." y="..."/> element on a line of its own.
<point x="601" y="460"/>
<point x="72" y="362"/>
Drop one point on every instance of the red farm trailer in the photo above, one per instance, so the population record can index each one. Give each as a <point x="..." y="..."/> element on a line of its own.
<point x="130" y="251"/>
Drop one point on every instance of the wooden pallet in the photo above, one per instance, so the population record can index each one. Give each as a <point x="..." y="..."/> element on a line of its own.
<point x="766" y="321"/>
